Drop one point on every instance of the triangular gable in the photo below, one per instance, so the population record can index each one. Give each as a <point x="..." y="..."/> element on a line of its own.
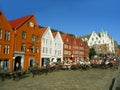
<point x="48" y="30"/>
<point x="80" y="41"/>
<point x="94" y="35"/>
<point x="66" y="38"/>
<point x="4" y="22"/>
<point x="57" y="35"/>
<point x="74" y="39"/>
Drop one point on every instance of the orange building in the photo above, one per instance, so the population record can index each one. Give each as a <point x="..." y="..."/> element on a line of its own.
<point x="27" y="42"/>
<point x="6" y="44"/>
<point x="67" y="47"/>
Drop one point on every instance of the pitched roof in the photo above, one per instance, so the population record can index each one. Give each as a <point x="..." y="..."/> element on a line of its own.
<point x="19" y="21"/>
<point x="63" y="36"/>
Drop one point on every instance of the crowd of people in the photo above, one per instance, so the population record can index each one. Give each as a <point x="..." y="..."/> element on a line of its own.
<point x="86" y="64"/>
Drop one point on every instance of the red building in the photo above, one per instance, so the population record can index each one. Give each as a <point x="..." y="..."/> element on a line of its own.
<point x="81" y="48"/>
<point x="27" y="42"/>
<point x="6" y="44"/>
<point x="75" y="48"/>
<point x="67" y="47"/>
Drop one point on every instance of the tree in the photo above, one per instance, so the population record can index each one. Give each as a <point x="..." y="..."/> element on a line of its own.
<point x="92" y="53"/>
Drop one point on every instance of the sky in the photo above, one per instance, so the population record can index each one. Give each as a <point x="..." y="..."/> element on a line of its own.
<point x="78" y="17"/>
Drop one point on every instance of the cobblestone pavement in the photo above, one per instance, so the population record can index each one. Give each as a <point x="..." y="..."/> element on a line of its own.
<point x="92" y="79"/>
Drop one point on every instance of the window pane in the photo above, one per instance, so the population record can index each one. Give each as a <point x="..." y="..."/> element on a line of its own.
<point x="0" y="34"/>
<point x="4" y="64"/>
<point x="37" y="49"/>
<point x="7" y="35"/>
<point x="6" y="49"/>
<point x="23" y="35"/>
<point x="33" y="49"/>
<point x="37" y="39"/>
<point x="33" y="38"/>
<point x="23" y="47"/>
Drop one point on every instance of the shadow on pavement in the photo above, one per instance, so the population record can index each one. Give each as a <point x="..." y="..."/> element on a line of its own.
<point x="112" y="84"/>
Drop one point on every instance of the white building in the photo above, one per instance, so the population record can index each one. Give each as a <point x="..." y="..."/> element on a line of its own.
<point x="47" y="46"/>
<point x="58" y="57"/>
<point x="102" y="38"/>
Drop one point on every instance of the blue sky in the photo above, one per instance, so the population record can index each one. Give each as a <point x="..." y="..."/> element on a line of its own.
<point x="78" y="17"/>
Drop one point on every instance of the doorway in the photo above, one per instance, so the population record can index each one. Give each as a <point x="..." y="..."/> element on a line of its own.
<point x="17" y="63"/>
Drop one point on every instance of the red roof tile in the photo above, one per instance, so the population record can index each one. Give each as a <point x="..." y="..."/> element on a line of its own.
<point x="17" y="22"/>
<point x="63" y="36"/>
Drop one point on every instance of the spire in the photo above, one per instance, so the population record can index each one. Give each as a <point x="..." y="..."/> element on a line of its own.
<point x="102" y="31"/>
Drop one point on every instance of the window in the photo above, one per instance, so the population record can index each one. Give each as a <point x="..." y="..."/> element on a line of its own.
<point x="6" y="49"/>
<point x="33" y="38"/>
<point x="50" y="50"/>
<point x="43" y="50"/>
<point x="4" y="64"/>
<point x="7" y="35"/>
<point x="50" y="42"/>
<point x="46" y="50"/>
<point x="92" y="38"/>
<point x="55" y="52"/>
<point x="46" y="41"/>
<point x="43" y="40"/>
<point x="23" y="47"/>
<point x="37" y="49"/>
<point x="23" y="35"/>
<point x="67" y="39"/>
<point x="37" y="38"/>
<point x="69" y="47"/>
<point x="96" y="38"/>
<point x="0" y="34"/>
<point x="33" y="49"/>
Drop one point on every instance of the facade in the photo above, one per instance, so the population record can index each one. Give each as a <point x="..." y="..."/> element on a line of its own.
<point x="6" y="44"/>
<point x="86" y="50"/>
<point x="101" y="40"/>
<point x="67" y="47"/>
<point x="27" y="45"/>
<point x="47" y="49"/>
<point x="58" y="47"/>
<point x="81" y="49"/>
<point x="30" y="45"/>
<point x="75" y="48"/>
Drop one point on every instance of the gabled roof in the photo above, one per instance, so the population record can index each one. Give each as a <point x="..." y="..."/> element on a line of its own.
<point x="80" y="41"/>
<point x="66" y="37"/>
<point x="19" y="21"/>
<point x="63" y="36"/>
